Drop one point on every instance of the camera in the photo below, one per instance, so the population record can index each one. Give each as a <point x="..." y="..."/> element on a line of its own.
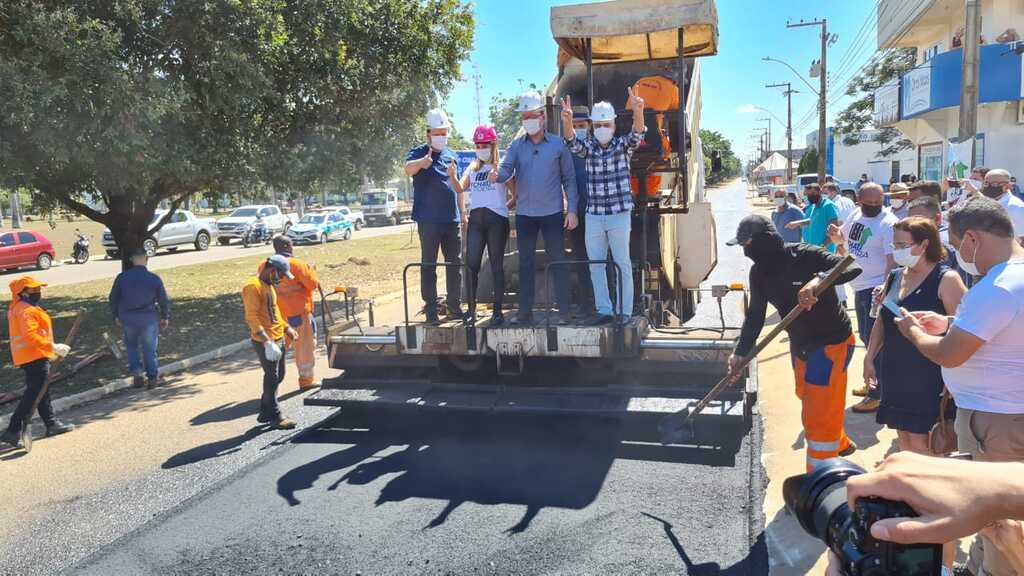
<point x="818" y="500"/>
<point x="953" y="182"/>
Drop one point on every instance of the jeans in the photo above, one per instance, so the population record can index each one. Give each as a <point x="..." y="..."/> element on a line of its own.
<point x="148" y="336"/>
<point x="487" y="230"/>
<point x="865" y="323"/>
<point x="447" y="237"/>
<point x="36" y="374"/>
<point x="527" y="228"/>
<point x="578" y="241"/>
<point x="604" y="232"/>
<point x="273" y="375"/>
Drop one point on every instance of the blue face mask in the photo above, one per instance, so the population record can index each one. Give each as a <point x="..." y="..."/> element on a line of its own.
<point x="32" y="298"/>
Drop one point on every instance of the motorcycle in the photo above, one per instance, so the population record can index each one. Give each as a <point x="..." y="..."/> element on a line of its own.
<point x="80" y="250"/>
<point x="256" y="233"/>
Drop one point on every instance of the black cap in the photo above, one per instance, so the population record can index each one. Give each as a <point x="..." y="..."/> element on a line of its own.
<point x="749" y="227"/>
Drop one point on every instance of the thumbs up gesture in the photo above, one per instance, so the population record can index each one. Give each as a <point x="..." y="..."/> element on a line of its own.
<point x="427" y="161"/>
<point x="453" y="171"/>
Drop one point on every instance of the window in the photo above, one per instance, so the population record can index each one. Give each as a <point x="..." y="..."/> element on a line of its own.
<point x="930" y="157"/>
<point x="272" y="211"/>
<point x="26" y="238"/>
<point x="391" y="198"/>
<point x="335" y="218"/>
<point x="931" y="52"/>
<point x="265" y="212"/>
<point x="179" y="217"/>
<point x="7" y="240"/>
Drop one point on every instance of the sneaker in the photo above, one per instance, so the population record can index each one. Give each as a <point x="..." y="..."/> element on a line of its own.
<point x="866" y="406"/>
<point x="283" y="424"/>
<point x="432" y="318"/>
<point x="862" y="391"/>
<point x="11" y="437"/>
<point x="56" y="428"/>
<point x="849" y="450"/>
<point x="961" y="569"/>
<point x="137" y="381"/>
<point x="599" y="320"/>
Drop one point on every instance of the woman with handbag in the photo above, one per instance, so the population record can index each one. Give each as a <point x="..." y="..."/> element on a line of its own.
<point x="911" y="405"/>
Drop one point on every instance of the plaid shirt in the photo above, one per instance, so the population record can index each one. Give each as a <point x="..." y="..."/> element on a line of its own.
<point x="607" y="172"/>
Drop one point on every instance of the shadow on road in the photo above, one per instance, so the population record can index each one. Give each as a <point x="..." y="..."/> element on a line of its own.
<point x="529" y="460"/>
<point x="757" y="557"/>
<point x="213" y="449"/>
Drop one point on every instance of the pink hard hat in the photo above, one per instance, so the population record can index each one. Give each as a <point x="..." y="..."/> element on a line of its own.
<point x="484" y="134"/>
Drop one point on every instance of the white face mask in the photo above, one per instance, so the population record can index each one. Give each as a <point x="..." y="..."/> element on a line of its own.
<point x="483" y="154"/>
<point x="780" y="201"/>
<point x="969" y="267"/>
<point x="581" y="133"/>
<point x="531" y="125"/>
<point x="438" y="142"/>
<point x="604" y="134"/>
<point x="905" y="258"/>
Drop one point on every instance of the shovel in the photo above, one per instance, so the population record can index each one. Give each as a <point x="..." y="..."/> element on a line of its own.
<point x="677" y="428"/>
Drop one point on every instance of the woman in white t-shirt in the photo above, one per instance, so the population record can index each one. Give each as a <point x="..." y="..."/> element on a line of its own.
<point x="488" y="217"/>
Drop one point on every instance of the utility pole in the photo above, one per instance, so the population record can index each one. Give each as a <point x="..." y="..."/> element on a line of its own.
<point x="476" y="85"/>
<point x="969" y="81"/>
<point x="789" y="126"/>
<point x="769" y="147"/>
<point x="826" y="41"/>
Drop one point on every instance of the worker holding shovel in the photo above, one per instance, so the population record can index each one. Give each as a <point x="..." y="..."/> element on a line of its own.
<point x="32" y="349"/>
<point x="821" y="338"/>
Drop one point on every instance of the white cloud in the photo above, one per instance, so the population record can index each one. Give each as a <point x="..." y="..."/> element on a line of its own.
<point x="747" y="109"/>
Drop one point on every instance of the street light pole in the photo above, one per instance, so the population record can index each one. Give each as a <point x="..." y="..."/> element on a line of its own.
<point x="769" y="121"/>
<point x="789" y="126"/>
<point x="822" y="91"/>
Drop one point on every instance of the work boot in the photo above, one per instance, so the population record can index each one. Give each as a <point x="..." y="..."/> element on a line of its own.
<point x="432" y="318"/>
<point x="56" y="428"/>
<point x="137" y="381"/>
<point x="152" y="382"/>
<point x="849" y="450"/>
<point x="866" y="406"/>
<point x="283" y="424"/>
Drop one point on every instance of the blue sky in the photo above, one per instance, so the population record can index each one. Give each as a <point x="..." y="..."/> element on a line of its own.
<point x="514" y="47"/>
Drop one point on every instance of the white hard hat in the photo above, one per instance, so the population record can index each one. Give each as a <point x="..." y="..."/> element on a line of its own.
<point x="602" y="112"/>
<point x="436" y="118"/>
<point x="530" y="101"/>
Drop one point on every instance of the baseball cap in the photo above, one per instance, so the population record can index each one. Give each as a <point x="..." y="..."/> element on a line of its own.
<point x="24" y="283"/>
<point x="281" y="264"/>
<point x="580" y="113"/>
<point x="749" y="227"/>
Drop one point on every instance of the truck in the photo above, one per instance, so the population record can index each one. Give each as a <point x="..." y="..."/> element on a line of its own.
<point x="652" y="365"/>
<point x="356" y="217"/>
<point x="383" y="207"/>
<point x="184" y="228"/>
<point x="233" y="225"/>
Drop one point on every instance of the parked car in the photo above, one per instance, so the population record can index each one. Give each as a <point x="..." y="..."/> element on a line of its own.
<point x="356" y="217"/>
<point x="321" y="226"/>
<point x="182" y="229"/>
<point x="25" y="248"/>
<point x="384" y="207"/>
<point x="231" y="226"/>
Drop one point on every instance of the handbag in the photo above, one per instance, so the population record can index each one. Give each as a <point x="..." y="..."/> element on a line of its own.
<point x="942" y="436"/>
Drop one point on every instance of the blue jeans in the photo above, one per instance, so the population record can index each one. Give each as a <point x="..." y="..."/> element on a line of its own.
<point x="606" y="232"/>
<point x="527" y="228"/>
<point x="865" y="323"/>
<point x="148" y="335"/>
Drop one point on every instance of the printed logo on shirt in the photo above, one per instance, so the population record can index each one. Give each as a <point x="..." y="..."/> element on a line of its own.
<point x="857" y="240"/>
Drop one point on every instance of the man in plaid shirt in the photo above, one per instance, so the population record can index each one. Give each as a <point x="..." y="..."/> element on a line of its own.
<point x="610" y="202"/>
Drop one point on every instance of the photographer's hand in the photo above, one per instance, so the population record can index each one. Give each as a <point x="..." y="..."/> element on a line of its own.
<point x="1008" y="537"/>
<point x="954" y="498"/>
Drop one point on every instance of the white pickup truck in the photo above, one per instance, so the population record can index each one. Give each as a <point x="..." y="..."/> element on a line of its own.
<point x="384" y="207"/>
<point x="233" y="225"/>
<point x="183" y="228"/>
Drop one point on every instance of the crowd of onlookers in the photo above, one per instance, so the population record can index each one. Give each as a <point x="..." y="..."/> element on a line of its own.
<point x="939" y="304"/>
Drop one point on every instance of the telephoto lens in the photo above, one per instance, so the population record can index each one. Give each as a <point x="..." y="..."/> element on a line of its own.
<point x="818" y="500"/>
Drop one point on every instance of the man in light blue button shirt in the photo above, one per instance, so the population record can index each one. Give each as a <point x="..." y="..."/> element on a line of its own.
<point x="545" y="187"/>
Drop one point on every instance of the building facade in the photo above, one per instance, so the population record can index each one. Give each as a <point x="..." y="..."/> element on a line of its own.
<point x="925" y="102"/>
<point x="848" y="161"/>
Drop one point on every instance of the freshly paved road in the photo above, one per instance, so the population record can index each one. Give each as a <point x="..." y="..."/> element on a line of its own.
<point x="98" y="267"/>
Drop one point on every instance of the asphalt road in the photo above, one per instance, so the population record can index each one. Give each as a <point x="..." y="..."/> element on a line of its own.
<point x="98" y="267"/>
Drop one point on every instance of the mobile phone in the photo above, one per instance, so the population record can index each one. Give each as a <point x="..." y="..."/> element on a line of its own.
<point x="892" y="307"/>
<point x="953" y="182"/>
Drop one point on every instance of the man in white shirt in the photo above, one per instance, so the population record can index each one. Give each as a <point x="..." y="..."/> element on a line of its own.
<point x="845" y="206"/>
<point x="981" y="349"/>
<point x="997" y="187"/>
<point x="867" y="235"/>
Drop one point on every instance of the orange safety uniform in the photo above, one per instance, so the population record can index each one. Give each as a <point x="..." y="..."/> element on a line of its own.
<point x="262" y="310"/>
<point x="295" y="297"/>
<point x="821" y="376"/>
<point x="30" y="327"/>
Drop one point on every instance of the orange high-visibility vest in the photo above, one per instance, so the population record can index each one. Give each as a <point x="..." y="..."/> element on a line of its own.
<point x="31" y="332"/>
<point x="295" y="297"/>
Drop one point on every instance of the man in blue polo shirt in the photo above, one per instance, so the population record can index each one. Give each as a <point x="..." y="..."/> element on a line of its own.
<point x="820" y="213"/>
<point x="141" y="308"/>
<point x="436" y="208"/>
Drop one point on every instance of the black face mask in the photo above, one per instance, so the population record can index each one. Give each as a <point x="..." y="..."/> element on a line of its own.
<point x="870" y="211"/>
<point x="993" y="191"/>
<point x="814" y="198"/>
<point x="32" y="298"/>
<point x="767" y="250"/>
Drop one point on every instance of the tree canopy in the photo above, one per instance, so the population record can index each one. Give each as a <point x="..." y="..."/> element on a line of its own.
<point x="809" y="162"/>
<point x="712" y="141"/>
<point x="884" y="68"/>
<point x="139" y="102"/>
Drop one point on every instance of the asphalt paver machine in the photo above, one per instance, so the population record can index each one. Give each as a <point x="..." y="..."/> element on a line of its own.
<point x="651" y="365"/>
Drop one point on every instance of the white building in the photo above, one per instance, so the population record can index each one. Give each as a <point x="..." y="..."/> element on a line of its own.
<point x="847" y="162"/>
<point x="925" y="103"/>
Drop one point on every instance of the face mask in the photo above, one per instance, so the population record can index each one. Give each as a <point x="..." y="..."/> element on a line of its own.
<point x="766" y="250"/>
<point x="969" y="267"/>
<point x="483" y="154"/>
<point x="814" y="198"/>
<point x="780" y="201"/>
<point x="438" y="142"/>
<point x="581" y="133"/>
<point x="531" y="125"/>
<point x="604" y="135"/>
<point x="905" y="258"/>
<point x="978" y="184"/>
<point x="992" y="192"/>
<point x="898" y="205"/>
<point x="32" y="298"/>
<point x="870" y="211"/>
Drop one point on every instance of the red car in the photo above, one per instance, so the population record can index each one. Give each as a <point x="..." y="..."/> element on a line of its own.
<point x="25" y="248"/>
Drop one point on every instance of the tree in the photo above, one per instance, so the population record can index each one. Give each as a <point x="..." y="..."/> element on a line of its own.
<point x="712" y="141"/>
<point x="809" y="163"/>
<point x="503" y="115"/>
<point x="143" y="102"/>
<point x="884" y="68"/>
